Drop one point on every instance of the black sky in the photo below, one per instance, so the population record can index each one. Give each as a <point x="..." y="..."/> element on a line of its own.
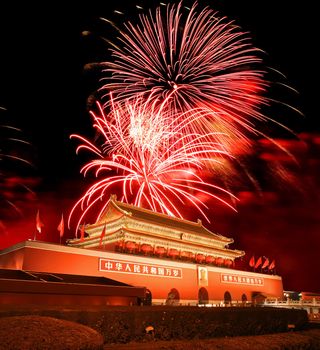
<point x="45" y="87"/>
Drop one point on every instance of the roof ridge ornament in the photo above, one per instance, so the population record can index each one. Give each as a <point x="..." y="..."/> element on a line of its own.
<point x="113" y="200"/>
<point x="113" y="197"/>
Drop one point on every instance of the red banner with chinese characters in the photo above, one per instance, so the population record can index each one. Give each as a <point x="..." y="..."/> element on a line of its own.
<point x="139" y="268"/>
<point x="233" y="278"/>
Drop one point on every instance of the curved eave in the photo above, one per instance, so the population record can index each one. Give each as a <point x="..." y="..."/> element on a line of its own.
<point x="95" y="241"/>
<point x="191" y="244"/>
<point x="207" y="234"/>
<point x="119" y="206"/>
<point x="114" y="202"/>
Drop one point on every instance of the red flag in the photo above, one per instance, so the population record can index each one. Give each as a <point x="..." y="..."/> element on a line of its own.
<point x="60" y="228"/>
<point x="272" y="265"/>
<point x="103" y="233"/>
<point x="39" y="224"/>
<point x="251" y="262"/>
<point x="82" y="233"/>
<point x="258" y="263"/>
<point x="265" y="264"/>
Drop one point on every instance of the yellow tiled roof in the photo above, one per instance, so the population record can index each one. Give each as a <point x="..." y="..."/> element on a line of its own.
<point x="166" y="220"/>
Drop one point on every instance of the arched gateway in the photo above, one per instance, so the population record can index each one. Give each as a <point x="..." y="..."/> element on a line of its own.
<point x="203" y="296"/>
<point x="147" y="300"/>
<point x="227" y="298"/>
<point x="173" y="297"/>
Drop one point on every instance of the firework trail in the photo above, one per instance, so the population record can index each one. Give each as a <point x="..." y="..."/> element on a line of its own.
<point x="148" y="160"/>
<point x="198" y="59"/>
<point x="15" y="165"/>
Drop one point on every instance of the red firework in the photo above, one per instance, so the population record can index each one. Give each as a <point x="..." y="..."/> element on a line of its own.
<point x="187" y="88"/>
<point x="155" y="165"/>
<point x="199" y="60"/>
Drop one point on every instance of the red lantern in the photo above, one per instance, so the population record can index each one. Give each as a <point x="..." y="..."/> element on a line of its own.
<point x="173" y="252"/>
<point x="185" y="254"/>
<point x="219" y="261"/>
<point x="146" y="248"/>
<point x="119" y="245"/>
<point x="209" y="259"/>
<point x="200" y="257"/>
<point x="192" y="256"/>
<point x="160" y="250"/>
<point x="228" y="262"/>
<point x="131" y="245"/>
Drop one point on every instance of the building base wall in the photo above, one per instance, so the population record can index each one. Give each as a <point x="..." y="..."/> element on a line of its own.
<point x="63" y="299"/>
<point x="168" y="281"/>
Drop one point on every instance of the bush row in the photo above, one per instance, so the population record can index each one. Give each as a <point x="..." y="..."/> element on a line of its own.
<point x="125" y="324"/>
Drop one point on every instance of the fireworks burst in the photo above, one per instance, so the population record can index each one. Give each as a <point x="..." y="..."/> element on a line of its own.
<point x="184" y="92"/>
<point x="155" y="164"/>
<point x="198" y="59"/>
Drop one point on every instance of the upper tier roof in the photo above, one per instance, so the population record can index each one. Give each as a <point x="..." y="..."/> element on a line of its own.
<point x="159" y="219"/>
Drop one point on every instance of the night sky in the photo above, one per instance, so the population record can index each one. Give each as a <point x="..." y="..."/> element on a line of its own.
<point x="46" y="86"/>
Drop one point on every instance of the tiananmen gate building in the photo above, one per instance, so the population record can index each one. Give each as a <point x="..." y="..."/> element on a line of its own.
<point x="177" y="261"/>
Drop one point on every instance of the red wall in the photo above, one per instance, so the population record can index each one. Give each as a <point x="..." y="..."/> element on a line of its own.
<point x="44" y="257"/>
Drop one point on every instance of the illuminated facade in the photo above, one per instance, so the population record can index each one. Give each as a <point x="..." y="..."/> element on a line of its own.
<point x="178" y="261"/>
<point x="130" y="229"/>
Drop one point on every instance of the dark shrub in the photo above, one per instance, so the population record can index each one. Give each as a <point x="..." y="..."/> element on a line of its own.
<point x="46" y="333"/>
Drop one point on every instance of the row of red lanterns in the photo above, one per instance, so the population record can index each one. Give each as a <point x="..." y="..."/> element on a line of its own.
<point x="172" y="252"/>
